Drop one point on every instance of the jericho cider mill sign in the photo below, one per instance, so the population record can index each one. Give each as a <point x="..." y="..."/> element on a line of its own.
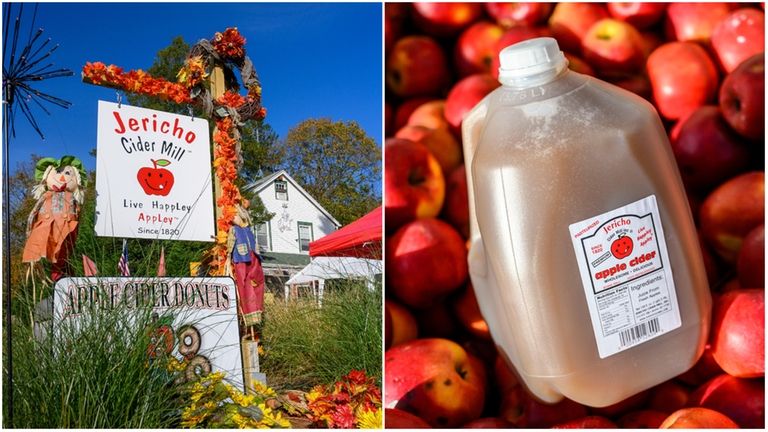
<point x="153" y="175"/>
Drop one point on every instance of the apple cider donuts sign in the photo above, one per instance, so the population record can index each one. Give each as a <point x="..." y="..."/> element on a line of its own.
<point x="624" y="267"/>
<point x="153" y="175"/>
<point x="190" y="320"/>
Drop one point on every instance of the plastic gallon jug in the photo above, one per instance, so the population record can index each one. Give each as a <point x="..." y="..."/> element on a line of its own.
<point x="584" y="256"/>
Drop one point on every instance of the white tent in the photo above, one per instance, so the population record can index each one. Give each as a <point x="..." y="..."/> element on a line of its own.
<point x="323" y="268"/>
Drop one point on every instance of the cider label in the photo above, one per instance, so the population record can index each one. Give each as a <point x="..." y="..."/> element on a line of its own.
<point x="624" y="267"/>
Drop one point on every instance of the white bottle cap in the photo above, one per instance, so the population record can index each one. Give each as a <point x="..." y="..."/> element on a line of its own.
<point x="531" y="62"/>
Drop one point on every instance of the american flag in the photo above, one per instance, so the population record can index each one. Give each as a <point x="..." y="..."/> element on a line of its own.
<point x="123" y="263"/>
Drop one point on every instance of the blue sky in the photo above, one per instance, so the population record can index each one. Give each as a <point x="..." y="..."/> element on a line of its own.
<point x="313" y="60"/>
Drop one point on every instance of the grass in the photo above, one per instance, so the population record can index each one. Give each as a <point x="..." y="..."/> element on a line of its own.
<point x="306" y="345"/>
<point x="95" y="376"/>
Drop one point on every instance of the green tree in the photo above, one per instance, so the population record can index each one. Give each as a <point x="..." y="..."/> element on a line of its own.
<point x="19" y="198"/>
<point x="337" y="163"/>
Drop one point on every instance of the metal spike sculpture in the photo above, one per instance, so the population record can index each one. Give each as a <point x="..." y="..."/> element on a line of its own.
<point x="22" y="66"/>
<point x="22" y="70"/>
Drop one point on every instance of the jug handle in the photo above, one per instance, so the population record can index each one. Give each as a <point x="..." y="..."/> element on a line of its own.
<point x="471" y="128"/>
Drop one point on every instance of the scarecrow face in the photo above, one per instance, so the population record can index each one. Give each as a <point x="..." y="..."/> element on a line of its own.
<point x="62" y="179"/>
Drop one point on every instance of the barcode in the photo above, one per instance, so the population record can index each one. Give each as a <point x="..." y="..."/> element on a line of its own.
<point x="639" y="332"/>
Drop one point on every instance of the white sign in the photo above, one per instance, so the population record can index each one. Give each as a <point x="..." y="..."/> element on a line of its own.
<point x="194" y="319"/>
<point x="153" y="175"/>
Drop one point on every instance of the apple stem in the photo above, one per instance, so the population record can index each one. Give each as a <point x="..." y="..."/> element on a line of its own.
<point x="154" y="162"/>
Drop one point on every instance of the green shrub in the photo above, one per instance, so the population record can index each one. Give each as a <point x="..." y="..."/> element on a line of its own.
<point x="307" y="345"/>
<point x="96" y="376"/>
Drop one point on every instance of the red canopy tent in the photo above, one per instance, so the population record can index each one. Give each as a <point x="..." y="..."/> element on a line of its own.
<point x="361" y="239"/>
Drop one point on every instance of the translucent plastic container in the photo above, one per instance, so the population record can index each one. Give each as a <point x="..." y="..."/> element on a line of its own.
<point x="584" y="255"/>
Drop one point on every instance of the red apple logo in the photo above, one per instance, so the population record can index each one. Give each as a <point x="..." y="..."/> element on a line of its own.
<point x="154" y="180"/>
<point x="622" y="247"/>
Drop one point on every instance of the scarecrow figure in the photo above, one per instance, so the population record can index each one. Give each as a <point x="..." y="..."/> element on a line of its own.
<point x="52" y="223"/>
<point x="249" y="275"/>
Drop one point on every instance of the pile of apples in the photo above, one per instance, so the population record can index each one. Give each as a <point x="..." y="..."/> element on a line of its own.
<point x="702" y="66"/>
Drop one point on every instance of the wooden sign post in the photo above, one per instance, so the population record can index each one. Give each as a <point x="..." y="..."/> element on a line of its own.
<point x="220" y="102"/>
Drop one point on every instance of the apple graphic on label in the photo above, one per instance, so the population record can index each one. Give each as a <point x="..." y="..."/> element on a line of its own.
<point x="622" y="247"/>
<point x="154" y="180"/>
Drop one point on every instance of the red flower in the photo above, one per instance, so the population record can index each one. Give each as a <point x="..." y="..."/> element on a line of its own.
<point x="356" y="376"/>
<point x="343" y="417"/>
<point x="230" y="44"/>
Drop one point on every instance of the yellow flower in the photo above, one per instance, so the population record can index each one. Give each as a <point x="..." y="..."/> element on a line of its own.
<point x="192" y="72"/>
<point x="270" y="420"/>
<point x="370" y="419"/>
<point x="263" y="389"/>
<point x="192" y="417"/>
<point x="240" y="398"/>
<point x="174" y="365"/>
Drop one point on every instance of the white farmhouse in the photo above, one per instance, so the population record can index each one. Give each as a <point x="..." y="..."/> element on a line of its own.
<point x="299" y="219"/>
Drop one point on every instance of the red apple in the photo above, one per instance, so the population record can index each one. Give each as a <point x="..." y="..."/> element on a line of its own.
<point x="742" y="98"/>
<point x="743" y="400"/>
<point x="435" y="379"/>
<point x="613" y="46"/>
<point x="513" y="36"/>
<point x="631" y="403"/>
<point x="588" y="422"/>
<point x="668" y="396"/>
<point x="476" y="48"/>
<point x="640" y="15"/>
<point x="388" y="329"/>
<point x="731" y="285"/>
<point x="738" y="332"/>
<point x="643" y="419"/>
<point x="156" y="181"/>
<point x="404" y="327"/>
<point x="707" y="151"/>
<point x="518" y="14"/>
<point x="465" y="95"/>
<point x="456" y="208"/>
<point x="703" y="370"/>
<point x="466" y="309"/>
<point x="576" y="64"/>
<point x="683" y="78"/>
<point x="437" y="321"/>
<point x="710" y="264"/>
<point x="750" y="264"/>
<point x="731" y="211"/>
<point x="445" y="19"/>
<point x="571" y="21"/>
<point x="426" y="260"/>
<point x="738" y="37"/>
<point x="694" y="21"/>
<point x="521" y="409"/>
<point x="430" y="114"/>
<point x="399" y="419"/>
<point x="697" y="418"/>
<point x="439" y="141"/>
<point x="416" y="66"/>
<point x="407" y="108"/>
<point x="651" y="41"/>
<point x="394" y="17"/>
<point x="388" y="118"/>
<point x="414" y="186"/>
<point x="505" y="377"/>
<point x="488" y="422"/>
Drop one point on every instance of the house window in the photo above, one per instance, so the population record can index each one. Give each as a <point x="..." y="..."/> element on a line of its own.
<point x="305" y="236"/>
<point x="262" y="236"/>
<point x="281" y="190"/>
